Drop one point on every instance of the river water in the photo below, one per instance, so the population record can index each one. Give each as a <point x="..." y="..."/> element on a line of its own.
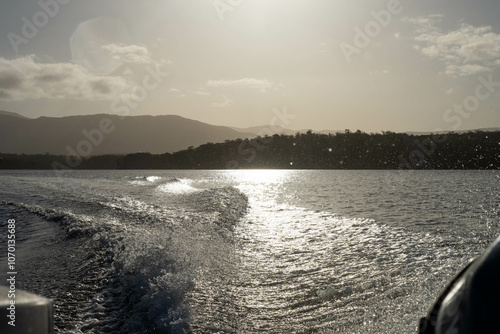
<point x="245" y="251"/>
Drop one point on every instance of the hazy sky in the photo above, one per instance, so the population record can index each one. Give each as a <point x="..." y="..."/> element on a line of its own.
<point x="333" y="64"/>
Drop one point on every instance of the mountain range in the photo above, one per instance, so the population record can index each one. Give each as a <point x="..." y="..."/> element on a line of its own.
<point x="121" y="135"/>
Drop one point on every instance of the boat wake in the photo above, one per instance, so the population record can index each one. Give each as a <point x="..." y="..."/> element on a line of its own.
<point x="145" y="259"/>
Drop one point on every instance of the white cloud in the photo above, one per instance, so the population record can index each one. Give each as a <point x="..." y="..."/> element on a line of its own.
<point x="128" y="54"/>
<point x="260" y="84"/>
<point x="465" y="70"/>
<point x="425" y="24"/>
<point x="450" y="91"/>
<point x="430" y="51"/>
<point x="379" y="72"/>
<point x="465" y="51"/>
<point x="27" y="78"/>
<point x="226" y="103"/>
<point x="183" y="94"/>
<point x="200" y="92"/>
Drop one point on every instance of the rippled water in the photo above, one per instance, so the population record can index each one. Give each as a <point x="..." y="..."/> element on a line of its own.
<point x="246" y="251"/>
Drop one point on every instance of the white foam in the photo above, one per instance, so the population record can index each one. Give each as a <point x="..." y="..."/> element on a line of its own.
<point x="177" y="187"/>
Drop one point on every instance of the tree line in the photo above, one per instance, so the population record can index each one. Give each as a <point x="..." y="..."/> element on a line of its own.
<point x="347" y="150"/>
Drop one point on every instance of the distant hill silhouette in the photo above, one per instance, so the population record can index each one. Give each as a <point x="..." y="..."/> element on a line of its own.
<point x="13" y="114"/>
<point x="153" y="134"/>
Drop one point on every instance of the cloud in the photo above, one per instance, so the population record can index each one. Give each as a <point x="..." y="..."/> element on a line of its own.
<point x="425" y="22"/>
<point x="226" y="103"/>
<point x="465" y="51"/>
<point x="379" y="72"/>
<point x="260" y="84"/>
<point x="128" y="54"/>
<point x="465" y="70"/>
<point x="10" y="80"/>
<point x="200" y="92"/>
<point x="4" y="95"/>
<point x="450" y="91"/>
<point x="187" y="93"/>
<point x="27" y="78"/>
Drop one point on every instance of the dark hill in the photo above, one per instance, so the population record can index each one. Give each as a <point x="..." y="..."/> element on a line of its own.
<point x="154" y="134"/>
<point x="12" y="114"/>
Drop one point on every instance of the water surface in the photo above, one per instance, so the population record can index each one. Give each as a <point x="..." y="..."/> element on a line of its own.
<point x="265" y="251"/>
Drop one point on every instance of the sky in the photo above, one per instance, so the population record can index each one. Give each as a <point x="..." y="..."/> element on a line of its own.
<point x="373" y="65"/>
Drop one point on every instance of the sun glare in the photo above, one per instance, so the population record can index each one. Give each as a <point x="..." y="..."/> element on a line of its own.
<point x="265" y="176"/>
